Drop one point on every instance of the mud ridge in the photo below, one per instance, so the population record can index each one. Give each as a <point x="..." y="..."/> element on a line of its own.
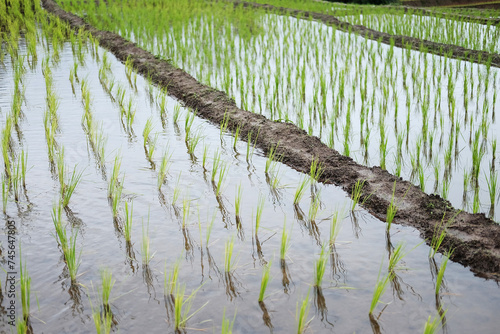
<point x="475" y="238"/>
<point x="440" y="49"/>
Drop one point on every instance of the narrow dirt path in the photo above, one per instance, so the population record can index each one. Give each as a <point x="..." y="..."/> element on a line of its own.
<point x="452" y="51"/>
<point x="475" y="239"/>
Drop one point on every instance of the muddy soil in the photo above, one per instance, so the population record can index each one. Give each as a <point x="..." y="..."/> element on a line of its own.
<point x="452" y="51"/>
<point x="474" y="238"/>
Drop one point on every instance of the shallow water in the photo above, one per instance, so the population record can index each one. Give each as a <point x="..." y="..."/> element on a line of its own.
<point x="138" y="301"/>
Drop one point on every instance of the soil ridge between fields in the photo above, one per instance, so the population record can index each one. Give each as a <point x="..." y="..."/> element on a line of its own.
<point x="474" y="238"/>
<point x="440" y="49"/>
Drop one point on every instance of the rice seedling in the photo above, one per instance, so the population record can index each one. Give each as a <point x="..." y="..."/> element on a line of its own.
<point x="272" y="159"/>
<point x="302" y="314"/>
<point x="164" y="167"/>
<point x="145" y="246"/>
<point x="357" y="192"/>
<point x="266" y="269"/>
<point x="220" y="181"/>
<point x="148" y="127"/>
<point x="285" y="242"/>
<point x="70" y="186"/>
<point x="320" y="266"/>
<point x="380" y="287"/>
<point x="182" y="306"/>
<point x="170" y="284"/>
<point x="209" y="230"/>
<point x="193" y="141"/>
<point x="186" y="204"/>
<point x="314" y="207"/>
<point x="102" y="321"/>
<point x="25" y="285"/>
<point x="227" y="324"/>
<point x="492" y="182"/>
<point x="127" y="226"/>
<point x="440" y="231"/>
<point x="335" y="227"/>
<point x="229" y="264"/>
<point x="72" y="256"/>
<point x="440" y="275"/>
<point x="396" y="256"/>
<point x="237" y="200"/>
<point x="258" y="215"/>
<point x="236" y="136"/>
<point x="299" y="192"/>
<point x="432" y="325"/>
<point x="107" y="283"/>
<point x="177" y="109"/>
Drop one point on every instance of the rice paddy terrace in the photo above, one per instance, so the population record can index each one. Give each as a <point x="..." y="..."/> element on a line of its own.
<point x="269" y="166"/>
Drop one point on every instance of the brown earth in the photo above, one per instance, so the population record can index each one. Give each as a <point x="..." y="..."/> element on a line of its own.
<point x="452" y="51"/>
<point x="475" y="238"/>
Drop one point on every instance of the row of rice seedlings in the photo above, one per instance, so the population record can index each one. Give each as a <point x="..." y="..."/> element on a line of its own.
<point x="67" y="185"/>
<point x="387" y="81"/>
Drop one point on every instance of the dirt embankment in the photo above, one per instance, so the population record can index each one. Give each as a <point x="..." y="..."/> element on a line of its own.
<point x="475" y="238"/>
<point x="452" y="51"/>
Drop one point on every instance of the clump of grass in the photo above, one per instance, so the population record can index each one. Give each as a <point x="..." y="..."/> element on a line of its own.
<point x="228" y="255"/>
<point x="25" y="285"/>
<point x="316" y="170"/>
<point x="227" y="324"/>
<point x="237" y="200"/>
<point x="182" y="306"/>
<point x="440" y="275"/>
<point x="391" y="209"/>
<point x="127" y="226"/>
<point x="258" y="215"/>
<point x="264" y="280"/>
<point x="335" y="226"/>
<point x="396" y="256"/>
<point x="145" y="247"/>
<point x="170" y="284"/>
<point x="357" y="192"/>
<point x="70" y="186"/>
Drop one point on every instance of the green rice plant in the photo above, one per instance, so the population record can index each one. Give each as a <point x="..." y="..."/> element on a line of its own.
<point x="335" y="227"/>
<point x="216" y="164"/>
<point x="164" y="167"/>
<point x="397" y="255"/>
<point x="433" y="325"/>
<point x="224" y="123"/>
<point x="103" y="321"/>
<point x="72" y="257"/>
<point x="271" y="159"/>
<point x="264" y="280"/>
<point x="229" y="264"/>
<point x="440" y="231"/>
<point x="182" y="306"/>
<point x="115" y="174"/>
<point x="392" y="208"/>
<point x="302" y="313"/>
<point x="258" y="215"/>
<point x="237" y="200"/>
<point x="220" y="181"/>
<point x="177" y="190"/>
<point x="380" y="287"/>
<point x="186" y="204"/>
<point x="314" y="207"/>
<point x="170" y="284"/>
<point x="227" y="324"/>
<point x="236" y="136"/>
<point x="116" y="197"/>
<point x="145" y="246"/>
<point x="204" y="158"/>
<point x="357" y="192"/>
<point x="250" y="147"/>
<point x="71" y="186"/>
<point x="107" y="283"/>
<point x="209" y="229"/>
<point x="299" y="192"/>
<point x="148" y="127"/>
<point x="25" y="285"/>
<point x="316" y="170"/>
<point x="285" y="241"/>
<point x="152" y="148"/>
<point x="177" y="109"/>
<point x="320" y="266"/>
<point x="492" y="182"/>
<point x="127" y="226"/>
<point x="21" y="326"/>
<point x="440" y="275"/>
<point x="193" y="141"/>
<point x="60" y="235"/>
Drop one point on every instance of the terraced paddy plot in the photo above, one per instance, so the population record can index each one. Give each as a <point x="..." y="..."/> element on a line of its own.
<point x="426" y="118"/>
<point x="133" y="214"/>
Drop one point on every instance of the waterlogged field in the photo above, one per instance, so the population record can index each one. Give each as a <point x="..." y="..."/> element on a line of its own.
<point x="132" y="214"/>
<point x="427" y="118"/>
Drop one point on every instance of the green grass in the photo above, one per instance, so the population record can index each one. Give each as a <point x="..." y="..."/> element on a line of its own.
<point x="391" y="209"/>
<point x="378" y="292"/>
<point x="227" y="324"/>
<point x="71" y="186"/>
<point x="335" y="227"/>
<point x="127" y="226"/>
<point x="440" y="275"/>
<point x="299" y="192"/>
<point x="302" y="313"/>
<point x="170" y="283"/>
<point x="285" y="241"/>
<point x="320" y="266"/>
<point x="182" y="306"/>
<point x="258" y="215"/>
<point x="25" y="285"/>
<point x="145" y="246"/>
<point x="237" y="200"/>
<point x="229" y="264"/>
<point x="357" y="192"/>
<point x="107" y="283"/>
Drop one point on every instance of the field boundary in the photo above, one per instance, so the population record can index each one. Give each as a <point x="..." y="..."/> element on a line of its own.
<point x="440" y="49"/>
<point x="474" y="238"/>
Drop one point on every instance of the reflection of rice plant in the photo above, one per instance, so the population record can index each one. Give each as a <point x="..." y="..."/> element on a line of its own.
<point x="315" y="206"/>
<point x="264" y="281"/>
<point x="170" y="284"/>
<point x="5" y="194"/>
<point x="146" y="252"/>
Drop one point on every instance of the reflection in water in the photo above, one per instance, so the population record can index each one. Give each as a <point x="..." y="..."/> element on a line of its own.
<point x="260" y="254"/>
<point x="338" y="268"/>
<point x="310" y="226"/>
<point x="230" y="283"/>
<point x="356" y="230"/>
<point x="73" y="219"/>
<point x="265" y="316"/>
<point x="222" y="208"/>
<point x="147" y="277"/>
<point x="212" y="266"/>
<point x="188" y="243"/>
<point x="130" y="257"/>
<point x="75" y="294"/>
<point x="286" y="278"/>
<point x="239" y="226"/>
<point x="374" y="324"/>
<point x="320" y="303"/>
